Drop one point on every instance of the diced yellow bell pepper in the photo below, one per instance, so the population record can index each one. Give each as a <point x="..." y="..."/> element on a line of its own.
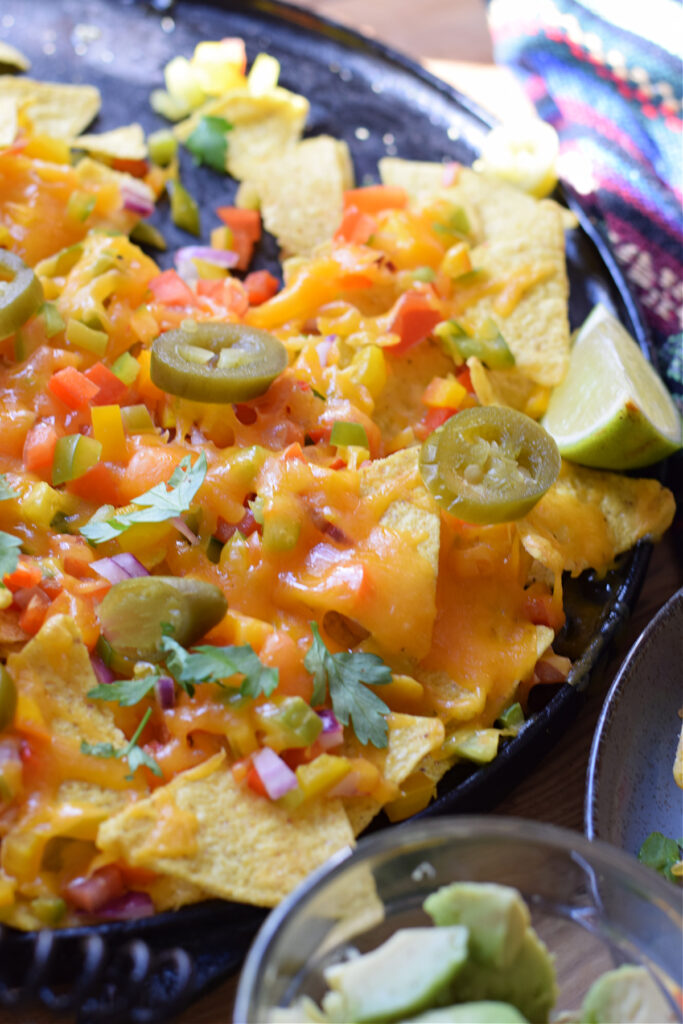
<point x="319" y="776"/>
<point x="41" y="503"/>
<point x="416" y="792"/>
<point x="107" y="428"/>
<point x="444" y="393"/>
<point x="7" y="889"/>
<point x="84" y="337"/>
<point x="457" y="261"/>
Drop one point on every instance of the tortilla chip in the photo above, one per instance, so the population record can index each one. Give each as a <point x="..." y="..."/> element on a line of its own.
<point x="172" y="893"/>
<point x="411" y="738"/>
<point x="536" y="329"/>
<point x="124" y="143"/>
<point x="10" y="57"/>
<point x="54" y="670"/>
<point x="9" y="123"/>
<point x="507" y="215"/>
<point x="508" y="387"/>
<point x="262" y="126"/>
<point x="400" y="403"/>
<point x="301" y="192"/>
<point x="55" y="109"/>
<point x="281" y="849"/>
<point x="417" y="177"/>
<point x="588" y="517"/>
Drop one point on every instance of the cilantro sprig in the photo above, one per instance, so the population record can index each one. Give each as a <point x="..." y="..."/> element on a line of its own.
<point x="203" y="664"/>
<point x="661" y="854"/>
<point x="9" y="553"/>
<point x="347" y="675"/>
<point x="134" y="754"/>
<point x="164" y="501"/>
<point x="208" y="143"/>
<point x="6" y="492"/>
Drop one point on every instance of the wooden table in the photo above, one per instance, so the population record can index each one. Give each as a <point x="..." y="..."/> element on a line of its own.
<point x="451" y="38"/>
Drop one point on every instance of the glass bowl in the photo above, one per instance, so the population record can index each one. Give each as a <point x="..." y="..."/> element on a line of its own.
<point x="594" y="906"/>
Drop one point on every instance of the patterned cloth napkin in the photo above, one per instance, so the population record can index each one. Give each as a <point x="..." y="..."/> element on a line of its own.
<point x="614" y="93"/>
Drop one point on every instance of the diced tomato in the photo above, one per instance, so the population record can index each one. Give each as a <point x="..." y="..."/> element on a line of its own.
<point x="240" y="770"/>
<point x="245" y="226"/>
<point x="246" y="222"/>
<point x="246" y="526"/>
<point x="138" y="168"/>
<point x="52" y="586"/>
<point x="431" y="420"/>
<point x="26" y="574"/>
<point x="111" y="388"/>
<point x="39" y="448"/>
<point x="227" y="291"/>
<point x="254" y="782"/>
<point x="260" y="285"/>
<point x="95" y="891"/>
<point x="100" y="485"/>
<point x="170" y="289"/>
<point x="542" y="609"/>
<point x="72" y="387"/>
<point x="464" y="377"/>
<point x="356" y="226"/>
<point x="33" y="615"/>
<point x="374" y="198"/>
<point x="414" y="319"/>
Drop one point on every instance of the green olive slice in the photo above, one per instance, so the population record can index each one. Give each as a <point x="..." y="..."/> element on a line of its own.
<point x="21" y="293"/>
<point x="216" y="362"/>
<point x="135" y="612"/>
<point x="489" y="464"/>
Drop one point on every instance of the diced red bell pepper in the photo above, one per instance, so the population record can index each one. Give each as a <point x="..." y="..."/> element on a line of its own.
<point x="431" y="421"/>
<point x="33" y="615"/>
<point x="169" y="288"/>
<point x="375" y="198"/>
<point x="260" y="285"/>
<point x="414" y="319"/>
<point x="96" y="890"/>
<point x="72" y="387"/>
<point x="39" y="448"/>
<point x="356" y="226"/>
<point x="245" y="226"/>
<point x="111" y="388"/>
<point x="254" y="782"/>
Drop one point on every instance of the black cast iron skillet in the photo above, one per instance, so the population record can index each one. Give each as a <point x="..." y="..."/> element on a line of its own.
<point x="381" y="103"/>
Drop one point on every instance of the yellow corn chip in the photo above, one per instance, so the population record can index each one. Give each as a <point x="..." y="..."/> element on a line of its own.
<point x="508" y="387"/>
<point x="534" y="319"/>
<point x="10" y="57"/>
<point x="55" y="109"/>
<point x="400" y="402"/>
<point x="124" y="143"/>
<point x="174" y="893"/>
<point x="280" y="850"/>
<point x="508" y="215"/>
<point x="588" y="517"/>
<point x="54" y="670"/>
<point x="411" y="738"/>
<point x="417" y="177"/>
<point x="262" y="126"/>
<point x="301" y="192"/>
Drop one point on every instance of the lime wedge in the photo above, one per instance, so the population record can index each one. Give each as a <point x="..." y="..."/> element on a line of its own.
<point x="611" y="411"/>
<point x="524" y="153"/>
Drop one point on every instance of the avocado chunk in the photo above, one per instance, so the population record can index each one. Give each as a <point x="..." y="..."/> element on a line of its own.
<point x="471" y="1013"/>
<point x="626" y="995"/>
<point x="528" y="981"/>
<point x="410" y="972"/>
<point x="496" y="915"/>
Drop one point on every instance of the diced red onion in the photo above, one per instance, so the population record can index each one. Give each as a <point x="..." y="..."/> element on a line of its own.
<point x="225" y="258"/>
<point x="128" y="907"/>
<point x="183" y="528"/>
<point x="121" y="567"/>
<point x="103" y="672"/>
<point x="333" y="733"/>
<point x="137" y="198"/>
<point x="9" y="751"/>
<point x="188" y="271"/>
<point x="323" y="348"/>
<point x="276" y="776"/>
<point x="165" y="691"/>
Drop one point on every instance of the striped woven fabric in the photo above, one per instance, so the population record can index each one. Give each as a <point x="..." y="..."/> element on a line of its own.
<point x="614" y="92"/>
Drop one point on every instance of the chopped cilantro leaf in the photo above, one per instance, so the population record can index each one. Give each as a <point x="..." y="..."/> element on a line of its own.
<point x="9" y="553"/>
<point x="348" y="675"/>
<point x="208" y="143"/>
<point x="661" y="853"/>
<point x="209" y="664"/>
<point x="162" y="502"/>
<point x="125" y="692"/>
<point x="6" y="492"/>
<point x="134" y="754"/>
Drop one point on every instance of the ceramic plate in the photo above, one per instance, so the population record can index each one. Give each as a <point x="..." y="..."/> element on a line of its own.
<point x="631" y="790"/>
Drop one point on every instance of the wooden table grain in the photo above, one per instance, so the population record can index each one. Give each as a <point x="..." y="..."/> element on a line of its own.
<point x="450" y="37"/>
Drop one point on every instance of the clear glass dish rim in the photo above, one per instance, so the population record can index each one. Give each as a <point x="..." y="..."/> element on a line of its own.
<point x="601" y="856"/>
